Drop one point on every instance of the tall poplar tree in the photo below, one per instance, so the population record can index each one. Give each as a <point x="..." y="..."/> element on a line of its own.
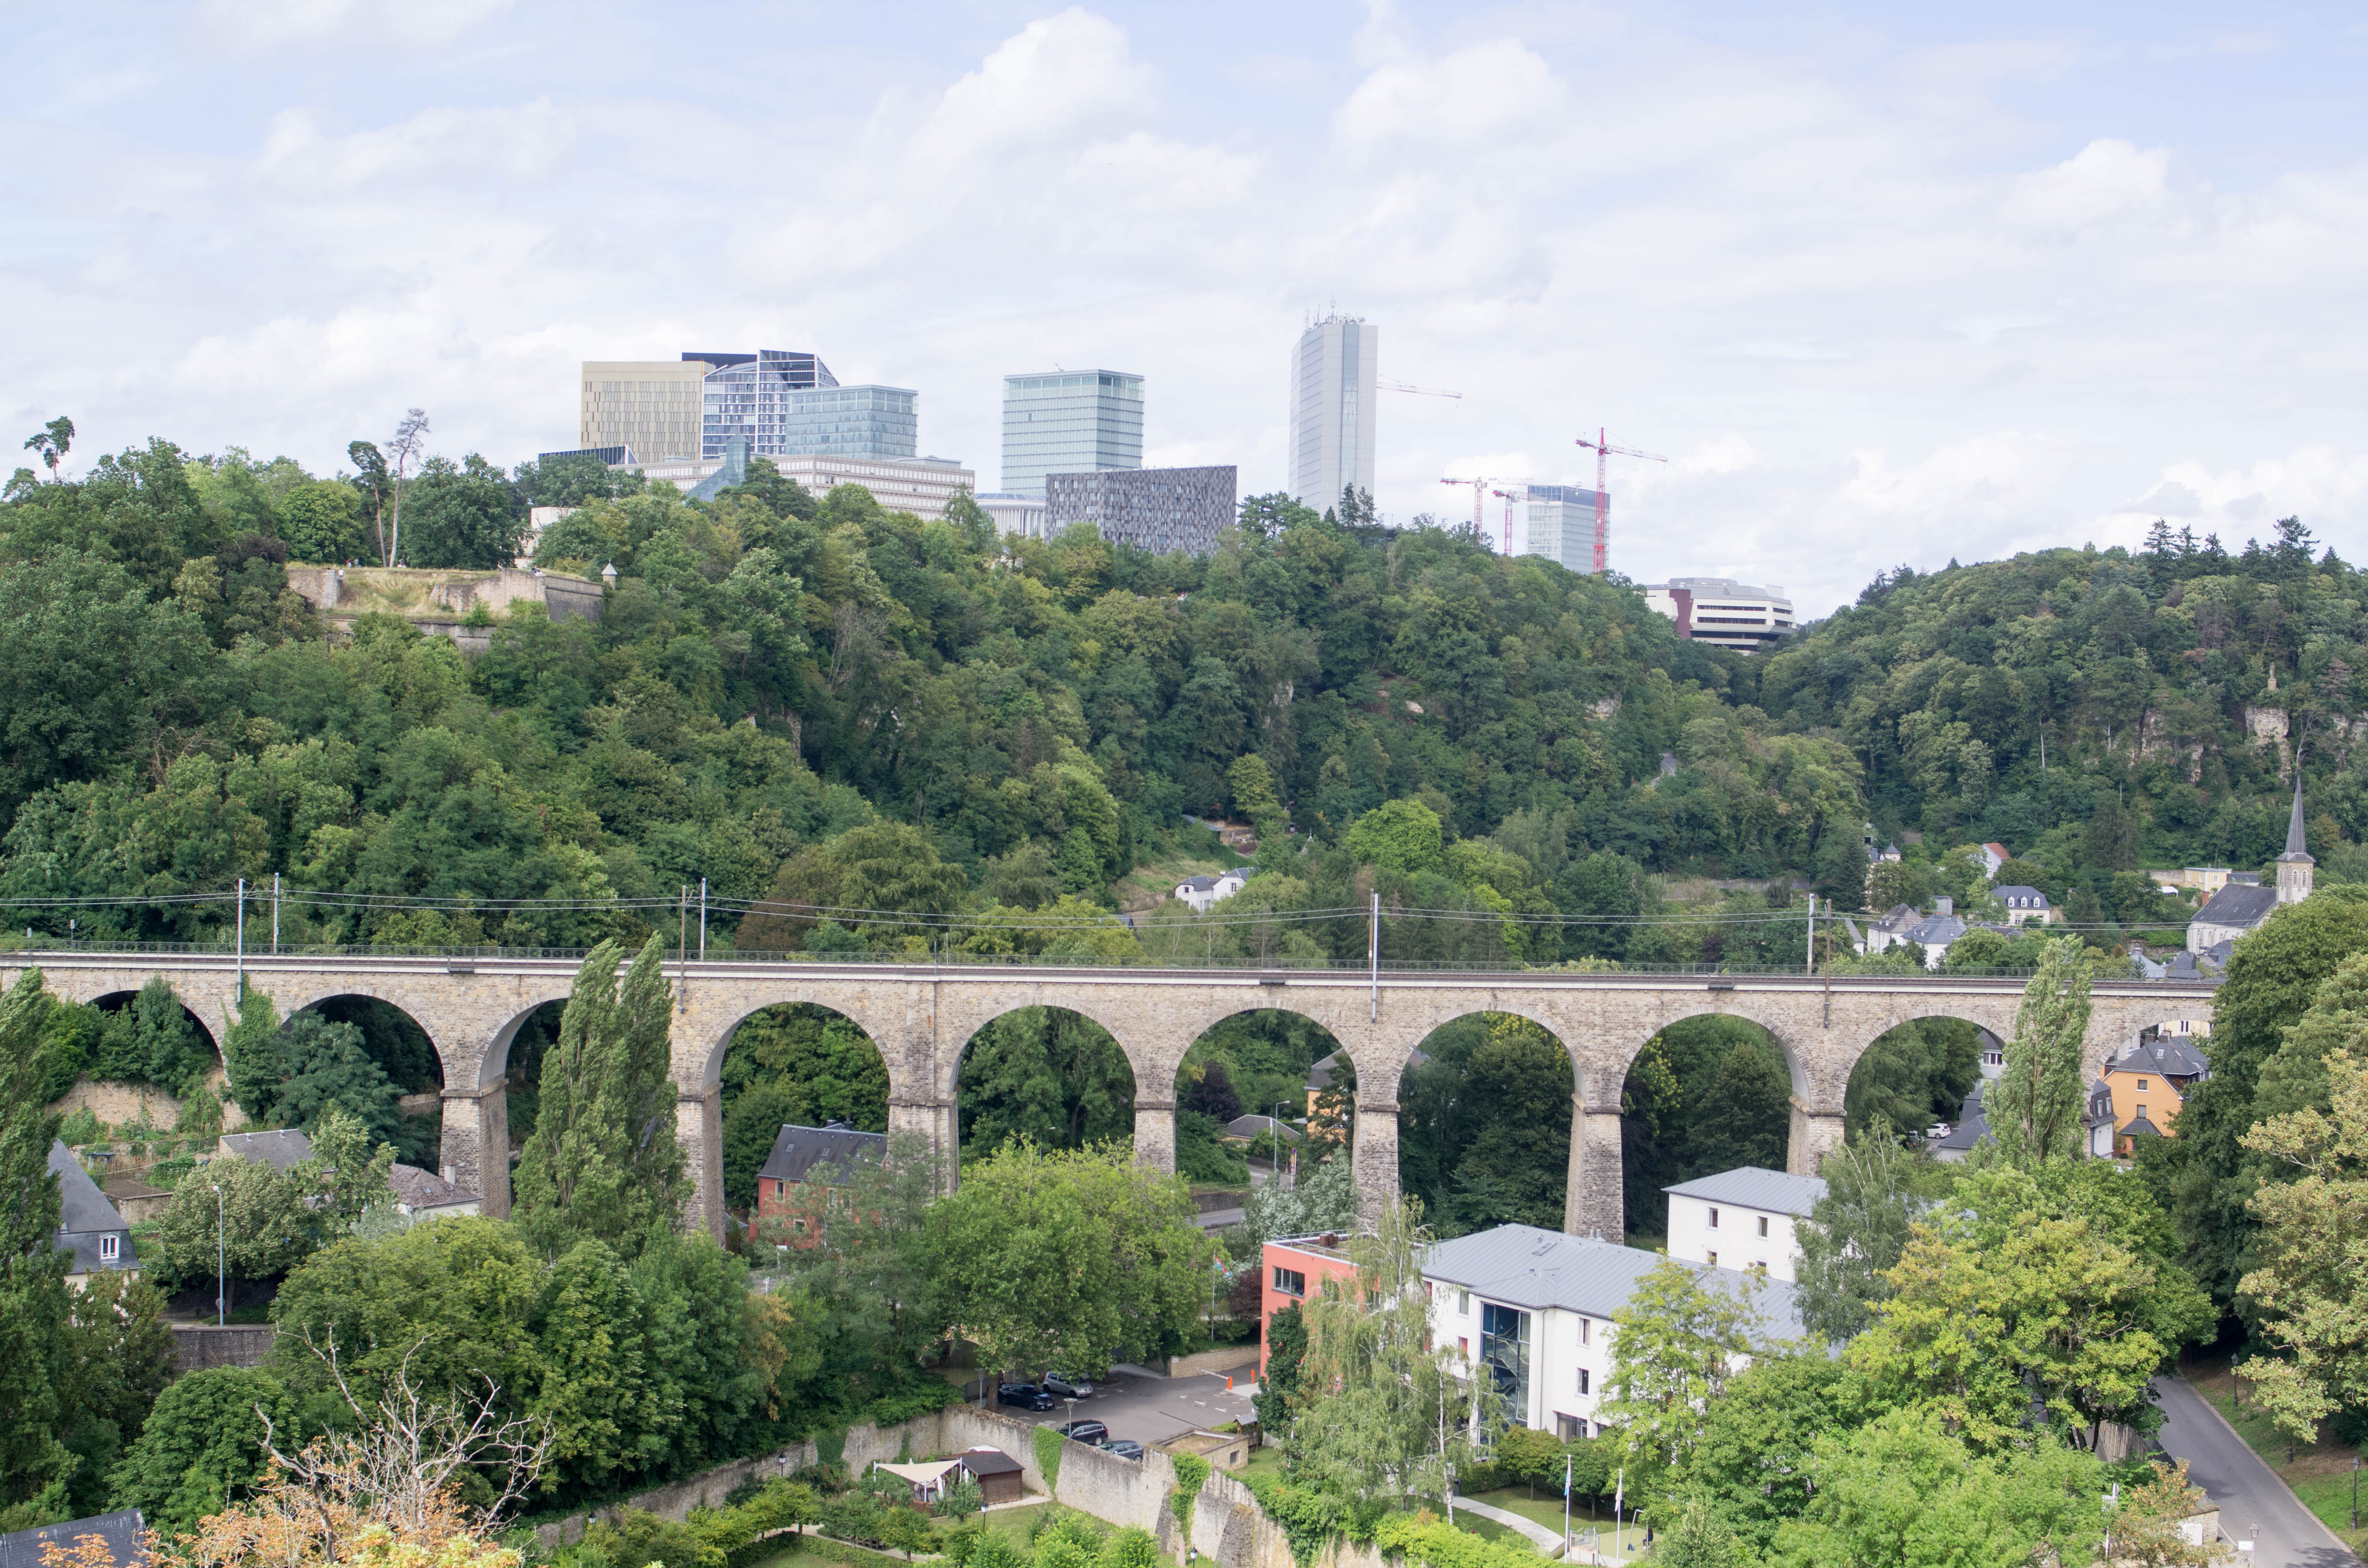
<point x="34" y="1467"/>
<point x="2035" y="1107"/>
<point x="603" y="1161"/>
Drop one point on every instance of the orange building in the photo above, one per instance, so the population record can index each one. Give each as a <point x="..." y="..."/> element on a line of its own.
<point x="810" y="1169"/>
<point x="2149" y="1083"/>
<point x="1294" y="1269"/>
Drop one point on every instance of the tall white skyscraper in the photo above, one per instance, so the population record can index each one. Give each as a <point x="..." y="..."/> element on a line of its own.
<point x="1332" y="409"/>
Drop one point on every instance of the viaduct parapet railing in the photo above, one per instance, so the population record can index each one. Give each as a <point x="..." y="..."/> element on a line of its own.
<point x="922" y="1015"/>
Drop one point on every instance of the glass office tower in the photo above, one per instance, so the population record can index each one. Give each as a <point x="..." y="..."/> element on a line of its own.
<point x="1332" y="374"/>
<point x="1562" y="525"/>
<point x="1069" y="421"/>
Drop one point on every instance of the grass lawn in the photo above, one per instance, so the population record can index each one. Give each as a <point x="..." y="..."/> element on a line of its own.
<point x="1265" y="1459"/>
<point x="2320" y="1473"/>
<point x="1015" y="1522"/>
<point x="1516" y="1499"/>
<point x="1544" y="1508"/>
<point x="1146" y="885"/>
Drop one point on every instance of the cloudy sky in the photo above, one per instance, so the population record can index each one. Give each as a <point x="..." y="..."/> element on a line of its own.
<point x="1885" y="283"/>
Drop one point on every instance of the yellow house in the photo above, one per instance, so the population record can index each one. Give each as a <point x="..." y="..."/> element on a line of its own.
<point x="2149" y="1083"/>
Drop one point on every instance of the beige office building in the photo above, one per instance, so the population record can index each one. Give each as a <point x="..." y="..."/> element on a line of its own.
<point x="651" y="405"/>
<point x="923" y="486"/>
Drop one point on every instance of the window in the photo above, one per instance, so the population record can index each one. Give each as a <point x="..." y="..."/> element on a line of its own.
<point x="2141" y="1108"/>
<point x="1569" y="1426"/>
<point x="1289" y="1281"/>
<point x="1763" y="1224"/>
<point x="2142" y="1086"/>
<point x="111" y="1247"/>
<point x="1586" y="1331"/>
<point x="1464" y="1346"/>
<point x="1714" y="1259"/>
<point x="1464" y="1303"/>
<point x="1713" y="1218"/>
<point x="1585" y="1379"/>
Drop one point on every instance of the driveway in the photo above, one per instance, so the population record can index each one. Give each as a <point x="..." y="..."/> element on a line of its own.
<point x="2254" y="1504"/>
<point x="1151" y="1410"/>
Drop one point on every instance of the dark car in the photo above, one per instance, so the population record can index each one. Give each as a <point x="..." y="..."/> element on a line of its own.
<point x="1124" y="1447"/>
<point x="1026" y="1396"/>
<point x="1065" y="1387"/>
<point x="1092" y="1432"/>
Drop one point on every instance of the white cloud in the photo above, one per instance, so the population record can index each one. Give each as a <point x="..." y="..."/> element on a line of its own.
<point x="2108" y="178"/>
<point x="1056" y="80"/>
<point x="526" y="142"/>
<point x="278" y="24"/>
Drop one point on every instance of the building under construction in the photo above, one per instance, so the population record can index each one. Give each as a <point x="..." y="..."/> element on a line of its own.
<point x="1562" y="525"/>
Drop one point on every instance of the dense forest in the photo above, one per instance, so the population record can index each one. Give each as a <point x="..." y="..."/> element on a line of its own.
<point x="818" y="701"/>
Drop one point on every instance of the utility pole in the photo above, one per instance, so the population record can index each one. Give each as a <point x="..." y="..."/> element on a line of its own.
<point x="275" y="911"/>
<point x="703" y="919"/>
<point x="1374" y="955"/>
<point x="238" y="961"/>
<point x="222" y="1252"/>
<point x="1604" y="448"/>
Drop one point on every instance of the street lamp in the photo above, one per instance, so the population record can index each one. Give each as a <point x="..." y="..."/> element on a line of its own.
<point x="2355" y="1492"/>
<point x="222" y="1250"/>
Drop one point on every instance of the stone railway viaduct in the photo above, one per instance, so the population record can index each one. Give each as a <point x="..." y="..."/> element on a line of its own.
<point x="922" y="1015"/>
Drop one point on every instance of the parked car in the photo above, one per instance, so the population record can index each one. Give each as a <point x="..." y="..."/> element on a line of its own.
<point x="1026" y="1396"/>
<point x="1089" y="1432"/>
<point x="1124" y="1447"/>
<point x="1061" y="1386"/>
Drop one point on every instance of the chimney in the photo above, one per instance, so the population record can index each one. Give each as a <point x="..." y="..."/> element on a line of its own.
<point x="1944" y="907"/>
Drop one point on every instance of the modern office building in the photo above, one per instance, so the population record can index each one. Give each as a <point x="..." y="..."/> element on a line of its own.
<point x="1562" y="525"/>
<point x="651" y="406"/>
<point x="748" y="395"/>
<point x="1158" y="509"/>
<point x="1722" y="610"/>
<point x="923" y="486"/>
<point x="1069" y="421"/>
<point x="1332" y="383"/>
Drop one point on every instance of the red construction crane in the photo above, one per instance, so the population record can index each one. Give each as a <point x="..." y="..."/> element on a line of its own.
<point x="1603" y="449"/>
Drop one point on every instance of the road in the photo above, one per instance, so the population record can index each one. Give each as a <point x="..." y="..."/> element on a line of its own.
<point x="2254" y="1504"/>
<point x="1151" y="1410"/>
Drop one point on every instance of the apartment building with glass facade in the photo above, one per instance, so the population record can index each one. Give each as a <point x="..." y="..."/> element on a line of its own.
<point x="1562" y="525"/>
<point x="1069" y="421"/>
<point x="1332" y="429"/>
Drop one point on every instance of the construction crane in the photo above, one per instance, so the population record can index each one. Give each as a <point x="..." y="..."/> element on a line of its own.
<point x="1480" y="489"/>
<point x="1603" y="449"/>
<point x="1509" y="497"/>
<point x="1401" y="386"/>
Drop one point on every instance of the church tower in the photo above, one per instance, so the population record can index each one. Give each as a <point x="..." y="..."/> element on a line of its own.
<point x="2295" y="865"/>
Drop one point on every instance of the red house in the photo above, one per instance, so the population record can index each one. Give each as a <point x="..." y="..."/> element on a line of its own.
<point x="810" y="1170"/>
<point x="1294" y="1269"/>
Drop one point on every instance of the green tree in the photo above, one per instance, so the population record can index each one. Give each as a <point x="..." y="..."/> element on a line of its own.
<point x="1523" y="1150"/>
<point x="1286" y="1347"/>
<point x="1754" y="1458"/>
<point x="1683" y="1332"/>
<point x="1067" y="1257"/>
<point x="1377" y="1398"/>
<point x="1854" y="1236"/>
<point x="262" y="1226"/>
<point x="203" y="1446"/>
<point x="348" y="1173"/>
<point x="462" y="514"/>
<point x="603" y="1161"/>
<point x="2309" y="1284"/>
<point x="2035" y="1107"/>
<point x="321" y="522"/>
<point x="1698" y="1538"/>
<point x="1903" y="1491"/>
<point x="51" y="442"/>
<point x="1405" y="836"/>
<point x="325" y="1065"/>
<point x="34" y="1467"/>
<point x="251" y="1058"/>
<point x="1254" y="793"/>
<point x="115" y="1356"/>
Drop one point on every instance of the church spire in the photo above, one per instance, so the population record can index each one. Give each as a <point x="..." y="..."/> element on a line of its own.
<point x="2295" y="865"/>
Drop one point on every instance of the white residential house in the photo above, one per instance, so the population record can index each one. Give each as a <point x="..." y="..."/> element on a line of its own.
<point x="2025" y="905"/>
<point x="1202" y="891"/>
<point x="1891" y="929"/>
<point x="1993" y="857"/>
<point x="1532" y="1309"/>
<point x="1743" y="1219"/>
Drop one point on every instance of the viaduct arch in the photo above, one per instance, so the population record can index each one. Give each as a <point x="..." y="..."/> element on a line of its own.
<point x="922" y="1017"/>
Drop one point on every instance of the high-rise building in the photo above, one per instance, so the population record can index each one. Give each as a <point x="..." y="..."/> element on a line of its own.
<point x="1069" y="421"/>
<point x="748" y="395"/>
<point x="1332" y="383"/>
<point x="651" y="406"/>
<point x="1159" y="510"/>
<point x="1562" y="525"/>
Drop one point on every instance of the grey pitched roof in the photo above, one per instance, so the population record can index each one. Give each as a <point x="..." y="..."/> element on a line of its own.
<point x="284" y="1149"/>
<point x="1257" y="1126"/>
<point x="825" y="1154"/>
<point x="1939" y="931"/>
<point x="1897" y="919"/>
<point x="989" y="1462"/>
<point x="2100" y="1103"/>
<point x="124" y="1533"/>
<point x="1521" y="1266"/>
<point x="2031" y="897"/>
<point x="2165" y="1058"/>
<point x="2239" y="903"/>
<point x="85" y="1215"/>
<point x="416" y="1189"/>
<point x="1754" y="1186"/>
<point x="1971" y="1126"/>
<point x="2139" y="1127"/>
